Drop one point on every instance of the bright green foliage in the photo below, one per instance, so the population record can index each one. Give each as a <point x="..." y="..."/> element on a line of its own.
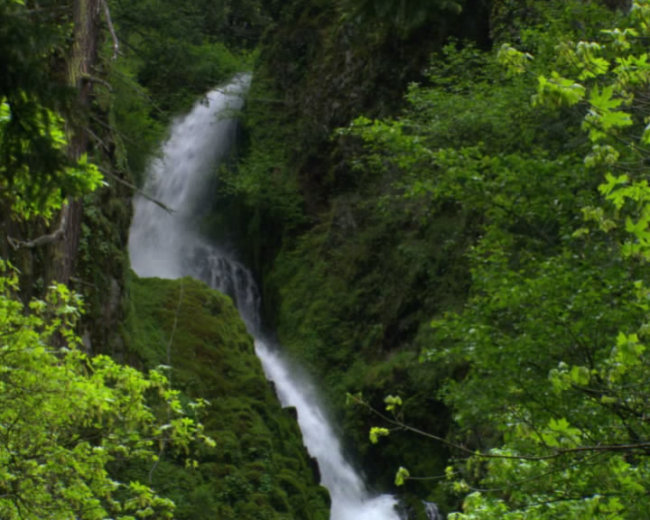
<point x="514" y="60"/>
<point x="65" y="417"/>
<point x="519" y="228"/>
<point x="401" y="476"/>
<point x="33" y="192"/>
<point x="377" y="432"/>
<point x="558" y="90"/>
<point x="554" y="346"/>
<point x="546" y="359"/>
<point x="392" y="403"/>
<point x="36" y="174"/>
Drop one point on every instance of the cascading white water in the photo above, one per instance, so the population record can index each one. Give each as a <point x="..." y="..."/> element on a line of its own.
<point x="350" y="500"/>
<point x="163" y="243"/>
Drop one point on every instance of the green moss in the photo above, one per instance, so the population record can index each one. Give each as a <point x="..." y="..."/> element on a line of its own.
<point x="259" y="468"/>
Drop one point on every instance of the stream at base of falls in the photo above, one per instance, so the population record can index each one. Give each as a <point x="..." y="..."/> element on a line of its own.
<point x="165" y="244"/>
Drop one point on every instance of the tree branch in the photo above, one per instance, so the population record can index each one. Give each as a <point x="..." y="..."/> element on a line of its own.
<point x="137" y="190"/>
<point x="43" y="239"/>
<point x="643" y="446"/>
<point x="111" y="29"/>
<point x="95" y="79"/>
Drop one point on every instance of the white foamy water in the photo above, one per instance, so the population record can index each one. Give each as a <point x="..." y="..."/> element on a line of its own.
<point x="164" y="244"/>
<point x="350" y="500"/>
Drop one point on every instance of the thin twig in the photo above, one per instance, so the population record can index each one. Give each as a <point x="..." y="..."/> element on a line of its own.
<point x="645" y="446"/>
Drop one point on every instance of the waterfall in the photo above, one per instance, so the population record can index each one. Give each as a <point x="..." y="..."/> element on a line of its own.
<point x="163" y="243"/>
<point x="350" y="500"/>
<point x="432" y="511"/>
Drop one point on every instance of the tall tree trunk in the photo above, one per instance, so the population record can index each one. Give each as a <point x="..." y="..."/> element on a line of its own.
<point x="83" y="57"/>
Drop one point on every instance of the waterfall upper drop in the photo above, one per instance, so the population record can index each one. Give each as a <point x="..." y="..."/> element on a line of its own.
<point x="164" y="243"/>
<point x="161" y="240"/>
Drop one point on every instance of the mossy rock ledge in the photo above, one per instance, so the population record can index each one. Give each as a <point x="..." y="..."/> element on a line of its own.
<point x="259" y="468"/>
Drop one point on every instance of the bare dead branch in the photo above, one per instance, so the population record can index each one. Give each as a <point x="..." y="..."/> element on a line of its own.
<point x="98" y="139"/>
<point x="95" y="79"/>
<point x="137" y="190"/>
<point x="111" y="29"/>
<point x="43" y="239"/>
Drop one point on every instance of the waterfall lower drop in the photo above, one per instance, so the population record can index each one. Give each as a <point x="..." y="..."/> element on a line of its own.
<point x="163" y="243"/>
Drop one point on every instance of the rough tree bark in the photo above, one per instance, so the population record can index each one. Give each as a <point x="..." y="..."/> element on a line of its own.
<point x="86" y="18"/>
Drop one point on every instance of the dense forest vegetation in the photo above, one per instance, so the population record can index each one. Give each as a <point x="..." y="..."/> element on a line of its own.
<point x="446" y="208"/>
<point x="91" y="425"/>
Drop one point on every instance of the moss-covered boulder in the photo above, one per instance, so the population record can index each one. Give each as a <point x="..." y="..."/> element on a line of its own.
<point x="259" y="468"/>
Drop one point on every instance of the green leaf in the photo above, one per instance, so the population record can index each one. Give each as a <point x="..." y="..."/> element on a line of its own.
<point x="376" y="432"/>
<point x="617" y="119"/>
<point x="601" y="98"/>
<point x="392" y="402"/>
<point x="612" y="182"/>
<point x="558" y="91"/>
<point x="580" y="375"/>
<point x="401" y="476"/>
<point x="513" y="60"/>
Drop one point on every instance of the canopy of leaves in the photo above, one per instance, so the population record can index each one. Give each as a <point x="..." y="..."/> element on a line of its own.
<point x="546" y="360"/>
<point x="66" y="416"/>
<point x="30" y="183"/>
<point x="35" y="172"/>
<point x="179" y="52"/>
